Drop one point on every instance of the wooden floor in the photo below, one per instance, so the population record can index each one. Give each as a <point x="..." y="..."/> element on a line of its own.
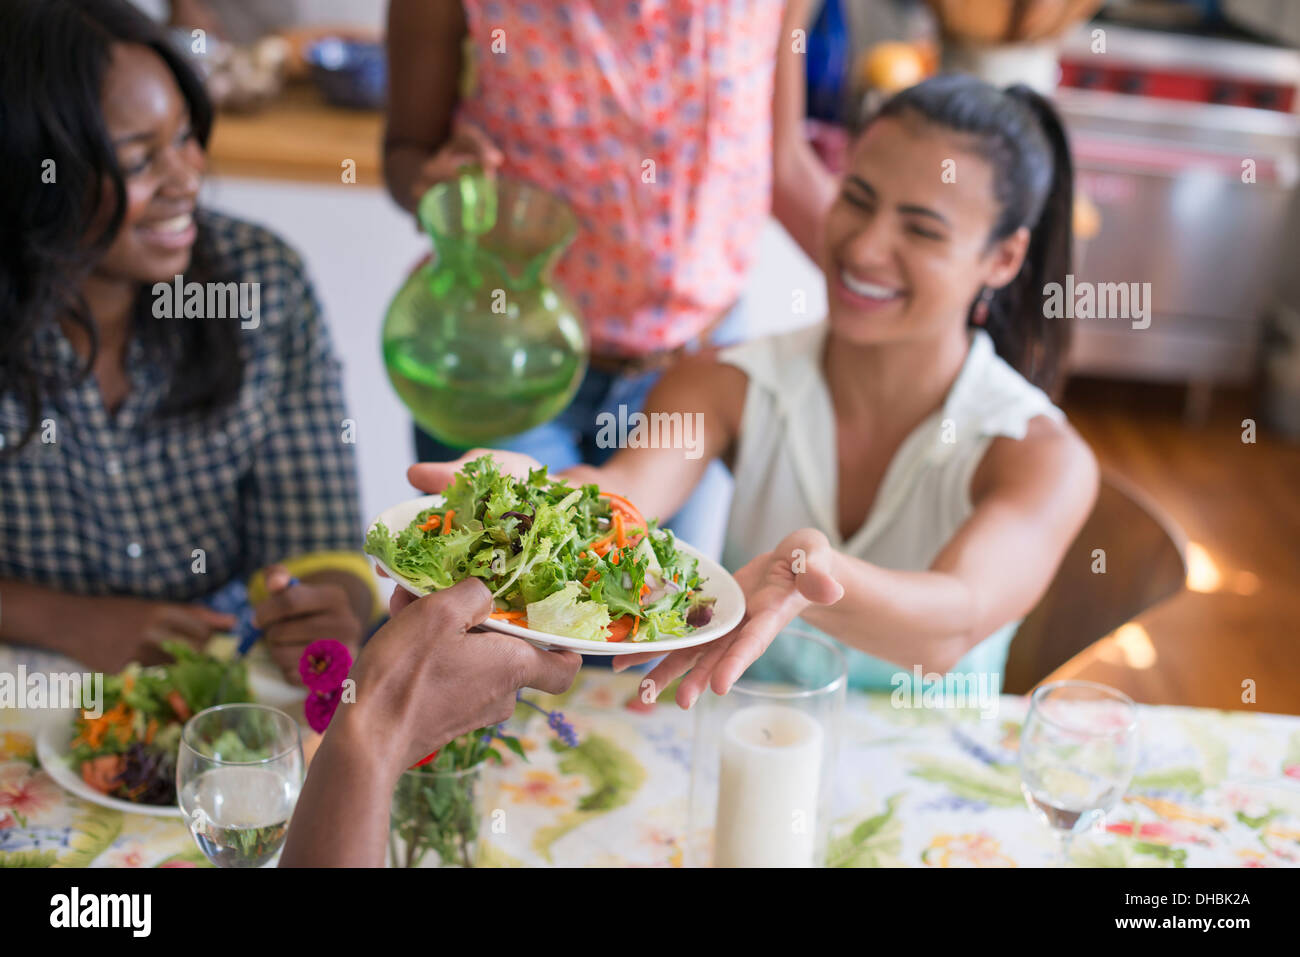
<point x="1239" y="504"/>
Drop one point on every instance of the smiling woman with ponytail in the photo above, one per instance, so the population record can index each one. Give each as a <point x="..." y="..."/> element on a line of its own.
<point x="1018" y="133"/>
<point x="903" y="481"/>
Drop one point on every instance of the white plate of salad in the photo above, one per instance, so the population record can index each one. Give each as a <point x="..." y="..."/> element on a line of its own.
<point x="125" y="758"/>
<point x="568" y="567"/>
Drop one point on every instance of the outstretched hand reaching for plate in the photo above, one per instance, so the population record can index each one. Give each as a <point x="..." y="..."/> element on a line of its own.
<point x="778" y="586"/>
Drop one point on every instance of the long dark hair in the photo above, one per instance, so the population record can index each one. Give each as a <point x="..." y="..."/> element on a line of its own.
<point x="53" y="57"/>
<point x="1022" y="138"/>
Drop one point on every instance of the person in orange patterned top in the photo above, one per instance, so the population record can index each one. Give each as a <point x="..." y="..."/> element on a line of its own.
<point x="671" y="127"/>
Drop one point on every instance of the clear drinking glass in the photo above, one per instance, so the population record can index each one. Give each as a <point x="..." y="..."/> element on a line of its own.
<point x="436" y="818"/>
<point x="1078" y="750"/>
<point x="763" y="757"/>
<point x="238" y="775"/>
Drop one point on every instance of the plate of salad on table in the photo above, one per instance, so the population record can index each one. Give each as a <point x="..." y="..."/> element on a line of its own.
<point x="569" y="567"/>
<point x="125" y="756"/>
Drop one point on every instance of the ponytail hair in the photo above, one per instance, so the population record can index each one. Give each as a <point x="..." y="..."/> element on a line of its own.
<point x="1021" y="136"/>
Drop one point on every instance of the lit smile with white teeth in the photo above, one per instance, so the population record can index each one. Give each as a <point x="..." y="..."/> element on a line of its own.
<point x="174" y="234"/>
<point x="177" y="224"/>
<point x="868" y="290"/>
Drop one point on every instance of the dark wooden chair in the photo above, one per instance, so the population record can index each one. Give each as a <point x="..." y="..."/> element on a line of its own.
<point x="1145" y="564"/>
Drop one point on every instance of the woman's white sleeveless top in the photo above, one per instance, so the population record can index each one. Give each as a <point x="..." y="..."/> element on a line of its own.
<point x="785" y="470"/>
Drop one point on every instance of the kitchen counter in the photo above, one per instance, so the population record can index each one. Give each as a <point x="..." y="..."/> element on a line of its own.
<point x="298" y="136"/>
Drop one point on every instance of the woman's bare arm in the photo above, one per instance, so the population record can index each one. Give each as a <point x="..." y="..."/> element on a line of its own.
<point x="693" y="413"/>
<point x="103" y="632"/>
<point x="424" y="65"/>
<point x="802" y="187"/>
<point x="705" y="396"/>
<point x="1030" y="499"/>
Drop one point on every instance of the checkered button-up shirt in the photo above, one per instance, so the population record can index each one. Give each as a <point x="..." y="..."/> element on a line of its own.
<point x="173" y="508"/>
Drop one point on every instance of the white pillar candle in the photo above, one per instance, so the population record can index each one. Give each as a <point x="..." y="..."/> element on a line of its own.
<point x="771" y="758"/>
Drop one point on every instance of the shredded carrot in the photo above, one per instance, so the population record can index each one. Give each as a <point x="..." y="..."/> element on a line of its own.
<point x="431" y="523"/>
<point x="601" y="546"/>
<point x="636" y="623"/>
<point x="620" y="536"/>
<point x="613" y="559"/>
<point x="91" y="733"/>
<point x="446" y="525"/>
<point x="507" y="615"/>
<point x="592" y="575"/>
<point x="95" y="730"/>
<point x="645" y="589"/>
<point x="150" y="730"/>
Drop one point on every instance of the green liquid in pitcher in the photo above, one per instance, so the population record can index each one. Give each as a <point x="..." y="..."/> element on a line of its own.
<point x="478" y="344"/>
<point x="476" y="393"/>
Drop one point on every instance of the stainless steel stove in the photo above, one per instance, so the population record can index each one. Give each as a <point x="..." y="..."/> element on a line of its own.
<point x="1189" y="146"/>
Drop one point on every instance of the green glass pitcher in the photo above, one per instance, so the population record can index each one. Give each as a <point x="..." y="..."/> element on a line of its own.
<point x="478" y="343"/>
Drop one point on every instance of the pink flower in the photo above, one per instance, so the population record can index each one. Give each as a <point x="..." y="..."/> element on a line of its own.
<point x="25" y="792"/>
<point x="1292" y="771"/>
<point x="320" y="708"/>
<point x="324" y="665"/>
<point x="178" y="863"/>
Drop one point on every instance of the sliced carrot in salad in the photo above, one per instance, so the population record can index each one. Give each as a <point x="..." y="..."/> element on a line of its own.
<point x="178" y="705"/>
<point x="102" y="773"/>
<point x="619" y="504"/>
<point x="620" y="628"/>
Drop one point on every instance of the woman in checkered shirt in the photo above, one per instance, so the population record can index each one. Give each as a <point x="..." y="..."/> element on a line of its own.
<point x="155" y="450"/>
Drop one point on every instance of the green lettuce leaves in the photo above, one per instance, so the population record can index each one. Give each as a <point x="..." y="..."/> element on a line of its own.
<point x="567" y="613"/>
<point x="543" y="548"/>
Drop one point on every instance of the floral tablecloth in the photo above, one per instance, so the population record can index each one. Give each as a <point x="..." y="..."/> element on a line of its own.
<point x="914" y="787"/>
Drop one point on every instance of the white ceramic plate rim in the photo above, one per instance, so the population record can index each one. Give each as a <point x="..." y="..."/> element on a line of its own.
<point x="52" y="740"/>
<point x="727" y="610"/>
